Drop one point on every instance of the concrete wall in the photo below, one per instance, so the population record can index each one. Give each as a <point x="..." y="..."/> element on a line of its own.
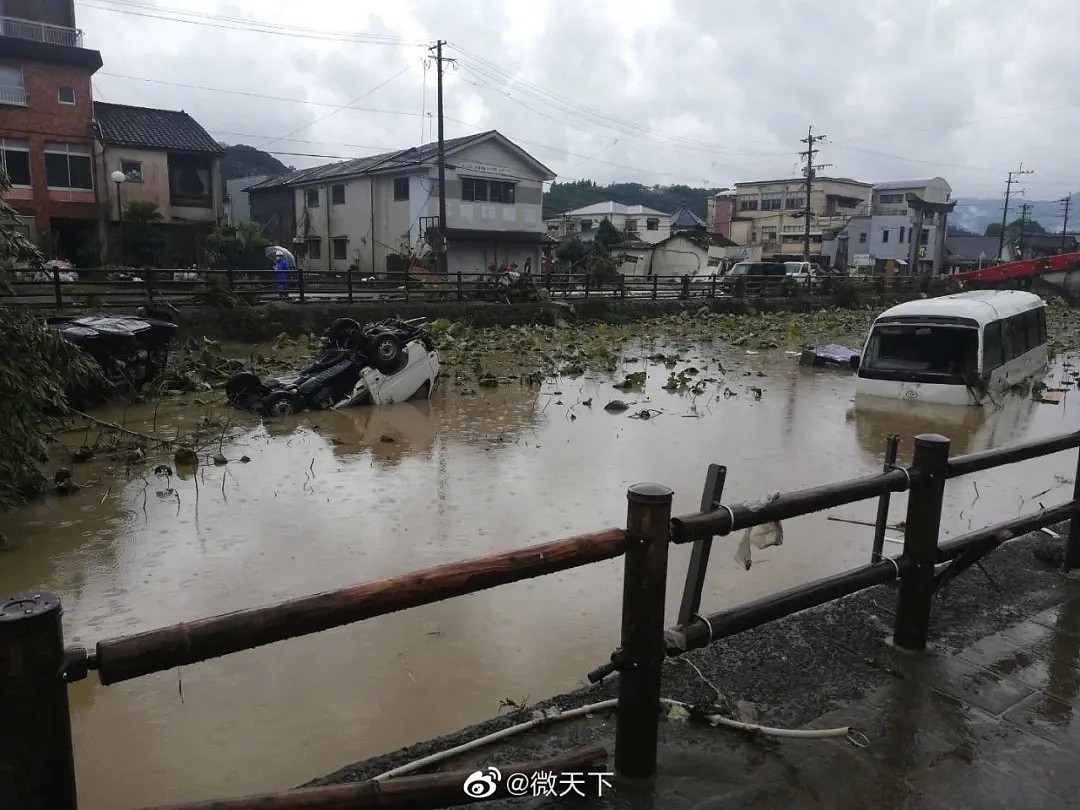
<point x="237" y="202"/>
<point x="154" y="185"/>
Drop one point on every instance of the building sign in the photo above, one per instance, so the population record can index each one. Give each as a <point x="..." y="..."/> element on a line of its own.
<point x="472" y="167"/>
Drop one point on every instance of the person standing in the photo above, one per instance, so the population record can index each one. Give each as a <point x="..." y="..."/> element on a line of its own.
<point x="281" y="268"/>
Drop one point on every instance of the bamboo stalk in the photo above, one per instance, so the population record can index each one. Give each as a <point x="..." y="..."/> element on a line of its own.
<point x="188" y="642"/>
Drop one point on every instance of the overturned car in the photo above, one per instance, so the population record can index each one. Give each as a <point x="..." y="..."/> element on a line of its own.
<point x="131" y="351"/>
<point x="377" y="364"/>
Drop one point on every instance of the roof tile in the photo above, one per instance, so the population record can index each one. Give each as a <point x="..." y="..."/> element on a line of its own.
<point x="147" y="128"/>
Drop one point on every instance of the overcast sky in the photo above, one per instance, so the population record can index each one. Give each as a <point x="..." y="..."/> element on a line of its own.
<point x="700" y="92"/>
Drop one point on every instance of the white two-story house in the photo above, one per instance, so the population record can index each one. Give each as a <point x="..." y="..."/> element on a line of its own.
<point x="370" y="212"/>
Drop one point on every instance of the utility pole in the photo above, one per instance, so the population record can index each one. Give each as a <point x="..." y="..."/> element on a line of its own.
<point x="1065" y="223"/>
<point x="1023" y="225"/>
<point x="809" y="169"/>
<point x="1005" y="210"/>
<point x="442" y="157"/>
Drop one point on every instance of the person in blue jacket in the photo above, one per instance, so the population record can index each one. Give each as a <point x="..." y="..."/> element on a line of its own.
<point x="281" y="265"/>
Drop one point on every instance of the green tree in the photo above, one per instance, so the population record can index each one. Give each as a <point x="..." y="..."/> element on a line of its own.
<point x="1012" y="230"/>
<point x="238" y="247"/>
<point x="144" y="238"/>
<point x="36" y="366"/>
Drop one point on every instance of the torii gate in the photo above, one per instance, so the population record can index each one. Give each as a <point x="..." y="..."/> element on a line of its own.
<point x="922" y="208"/>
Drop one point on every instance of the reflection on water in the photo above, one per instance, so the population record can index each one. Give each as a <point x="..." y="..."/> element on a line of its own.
<point x="338" y="498"/>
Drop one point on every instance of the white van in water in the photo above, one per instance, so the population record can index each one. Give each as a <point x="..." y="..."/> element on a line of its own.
<point x="957" y="349"/>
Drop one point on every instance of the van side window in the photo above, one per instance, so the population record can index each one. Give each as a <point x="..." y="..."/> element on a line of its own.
<point x="1014" y="337"/>
<point x="1031" y="322"/>
<point x="992" y="354"/>
<point x="1042" y="325"/>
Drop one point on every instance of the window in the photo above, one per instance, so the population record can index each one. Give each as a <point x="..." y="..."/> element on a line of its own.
<point x="401" y="189"/>
<point x="66" y="95"/>
<point x="1041" y="316"/>
<point x="925" y="237"/>
<point x="132" y="170"/>
<point x="885" y="236"/>
<point x="772" y="202"/>
<point x="501" y="192"/>
<point x="586" y="225"/>
<point x="190" y="182"/>
<point x="473" y="190"/>
<point x="12" y="90"/>
<point x="314" y="249"/>
<point x="631" y="226"/>
<point x="768" y="234"/>
<point x="1015" y="336"/>
<point x="920" y="352"/>
<point x="748" y="205"/>
<point x="652" y="224"/>
<point x="992" y="349"/>
<point x="341" y="248"/>
<point x="337" y="194"/>
<point x="794" y="202"/>
<point x="890" y="198"/>
<point x="862" y="238"/>
<point x="15" y="160"/>
<point x="901" y="239"/>
<point x="630" y="259"/>
<point x="713" y="261"/>
<point x="67" y="166"/>
<point x="311" y="197"/>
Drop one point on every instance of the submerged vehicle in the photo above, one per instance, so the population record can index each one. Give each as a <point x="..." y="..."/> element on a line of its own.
<point x="130" y="350"/>
<point x="378" y="364"/>
<point x="957" y="349"/>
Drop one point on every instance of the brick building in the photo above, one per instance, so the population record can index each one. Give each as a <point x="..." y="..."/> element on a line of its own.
<point x="46" y="135"/>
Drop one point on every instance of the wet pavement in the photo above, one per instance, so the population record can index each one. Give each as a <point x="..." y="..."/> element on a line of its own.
<point x="335" y="499"/>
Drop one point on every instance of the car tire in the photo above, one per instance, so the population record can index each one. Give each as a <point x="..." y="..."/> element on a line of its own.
<point x="282" y="403"/>
<point x="243" y="382"/>
<point x="339" y="332"/>
<point x="386" y="353"/>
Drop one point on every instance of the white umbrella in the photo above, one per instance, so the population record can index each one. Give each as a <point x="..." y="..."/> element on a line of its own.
<point x="274" y="251"/>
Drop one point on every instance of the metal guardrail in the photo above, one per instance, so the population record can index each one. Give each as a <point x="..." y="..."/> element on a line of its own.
<point x="35" y="667"/>
<point x="41" y="32"/>
<point x="49" y="289"/>
<point x="13" y="96"/>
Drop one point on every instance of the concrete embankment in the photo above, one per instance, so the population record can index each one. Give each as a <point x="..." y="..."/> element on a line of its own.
<point x="265" y="322"/>
<point x="985" y="718"/>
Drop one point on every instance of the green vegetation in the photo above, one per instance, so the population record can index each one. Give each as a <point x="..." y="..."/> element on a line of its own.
<point x="577" y="194"/>
<point x="143" y="237"/>
<point x="1012" y="230"/>
<point x="241" y="160"/>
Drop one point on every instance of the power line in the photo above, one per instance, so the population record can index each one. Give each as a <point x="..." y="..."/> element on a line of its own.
<point x="236" y="24"/>
<point x="810" y="169"/>
<point x="342" y="107"/>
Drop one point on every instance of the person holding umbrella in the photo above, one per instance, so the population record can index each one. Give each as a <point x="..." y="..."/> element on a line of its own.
<point x="282" y="260"/>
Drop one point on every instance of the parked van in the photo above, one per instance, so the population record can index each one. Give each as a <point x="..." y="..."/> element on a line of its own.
<point x="957" y="349"/>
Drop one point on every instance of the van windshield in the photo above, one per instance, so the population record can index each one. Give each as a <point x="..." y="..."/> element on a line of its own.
<point x="901" y="349"/>
<point x="741" y="269"/>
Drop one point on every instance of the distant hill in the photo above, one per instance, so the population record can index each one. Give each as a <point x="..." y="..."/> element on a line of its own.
<point x="240" y="160"/>
<point x="568" y="196"/>
<point x="975" y="213"/>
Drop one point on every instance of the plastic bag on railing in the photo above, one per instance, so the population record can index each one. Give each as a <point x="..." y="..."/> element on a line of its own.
<point x="759" y="537"/>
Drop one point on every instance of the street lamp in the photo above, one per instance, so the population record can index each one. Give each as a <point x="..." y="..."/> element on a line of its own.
<point x="119" y="177"/>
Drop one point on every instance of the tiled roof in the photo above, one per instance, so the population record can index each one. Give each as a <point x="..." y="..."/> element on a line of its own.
<point x="147" y="128"/>
<point x="403" y="158"/>
<point x="685" y="218"/>
<point x="612" y="207"/>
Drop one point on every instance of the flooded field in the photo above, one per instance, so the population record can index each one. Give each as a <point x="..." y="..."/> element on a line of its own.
<point x="338" y="498"/>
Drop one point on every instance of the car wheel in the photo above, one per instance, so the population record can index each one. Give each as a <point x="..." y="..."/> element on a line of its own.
<point x="282" y="403"/>
<point x="243" y="382"/>
<point x="386" y="351"/>
<point x="339" y="332"/>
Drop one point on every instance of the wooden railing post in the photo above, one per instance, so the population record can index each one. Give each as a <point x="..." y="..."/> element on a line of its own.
<point x="920" y="541"/>
<point x="348" y="282"/>
<point x="149" y="273"/>
<point x="655" y="285"/>
<point x="36" y="765"/>
<point x="460" y="288"/>
<point x="56" y="288"/>
<point x="1072" y="546"/>
<point x="641" y="656"/>
<point x="300" y="281"/>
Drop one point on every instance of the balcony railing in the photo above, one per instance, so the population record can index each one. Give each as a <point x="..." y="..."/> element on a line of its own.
<point x="41" y="32"/>
<point x="13" y="96"/>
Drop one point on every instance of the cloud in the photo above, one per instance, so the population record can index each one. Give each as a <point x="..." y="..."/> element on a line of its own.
<point x="657" y="92"/>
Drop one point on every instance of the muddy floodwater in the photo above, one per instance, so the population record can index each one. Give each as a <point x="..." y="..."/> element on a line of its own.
<point x="338" y="498"/>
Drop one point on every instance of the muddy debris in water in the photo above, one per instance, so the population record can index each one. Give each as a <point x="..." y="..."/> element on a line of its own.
<point x="219" y="459"/>
<point x="616" y="406"/>
<point x="186" y="456"/>
<point x="387" y="439"/>
<point x="245" y="459"/>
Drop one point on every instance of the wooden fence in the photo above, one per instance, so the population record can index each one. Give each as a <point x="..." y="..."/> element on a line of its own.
<point x="36" y="765"/>
<point x="151" y="287"/>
